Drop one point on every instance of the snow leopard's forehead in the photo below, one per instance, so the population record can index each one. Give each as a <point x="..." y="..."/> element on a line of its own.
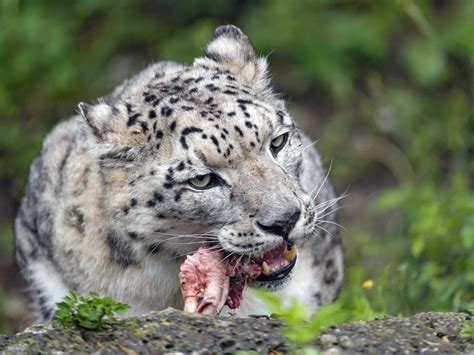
<point x="200" y="109"/>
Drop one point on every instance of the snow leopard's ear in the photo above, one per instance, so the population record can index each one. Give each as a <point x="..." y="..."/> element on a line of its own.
<point x="230" y="49"/>
<point x="97" y="116"/>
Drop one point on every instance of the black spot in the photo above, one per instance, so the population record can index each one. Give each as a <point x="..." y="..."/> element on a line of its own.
<point x="187" y="108"/>
<point x="126" y="210"/>
<point x="330" y="277"/>
<point x="193" y="90"/>
<point x="172" y="126"/>
<point x="242" y="101"/>
<point x="177" y="195"/>
<point x="317" y="298"/>
<point x="133" y="202"/>
<point x="156" y="102"/>
<point x="166" y="111"/>
<point x="230" y="114"/>
<point x="252" y="144"/>
<point x="133" y="235"/>
<point x="75" y="218"/>
<point x="154" y="248"/>
<point x="144" y="127"/>
<point x="168" y="185"/>
<point x="211" y="87"/>
<point x="158" y="197"/>
<point x="225" y="131"/>
<point x="239" y="131"/>
<point x="133" y="119"/>
<point x="120" y="251"/>
<point x="209" y="100"/>
<point x="157" y="146"/>
<point x="230" y="77"/>
<point x="180" y="166"/>
<point x="329" y="263"/>
<point x="152" y="172"/>
<point x="204" y="136"/>
<point x="151" y="114"/>
<point x="148" y="97"/>
<point x="199" y="79"/>
<point x="129" y="108"/>
<point x="248" y="124"/>
<point x="223" y="136"/>
<point x="159" y="134"/>
<point x="46" y="311"/>
<point x="229" y="92"/>
<point x="281" y="116"/>
<point x="186" y="131"/>
<point x="174" y="100"/>
<point x="160" y="215"/>
<point x="215" y="141"/>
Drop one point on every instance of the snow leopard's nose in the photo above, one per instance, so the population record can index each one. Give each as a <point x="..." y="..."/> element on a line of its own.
<point x="281" y="226"/>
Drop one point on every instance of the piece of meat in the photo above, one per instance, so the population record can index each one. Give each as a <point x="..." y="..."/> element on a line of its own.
<point x="209" y="281"/>
<point x="204" y="282"/>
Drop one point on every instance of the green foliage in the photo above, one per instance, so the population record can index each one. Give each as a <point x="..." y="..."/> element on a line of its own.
<point x="468" y="328"/>
<point x="301" y="329"/>
<point x="90" y="312"/>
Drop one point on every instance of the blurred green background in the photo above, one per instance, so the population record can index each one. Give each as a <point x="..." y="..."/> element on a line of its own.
<point x="387" y="88"/>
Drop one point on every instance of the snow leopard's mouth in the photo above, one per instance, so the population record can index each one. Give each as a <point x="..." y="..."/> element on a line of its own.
<point x="211" y="279"/>
<point x="273" y="265"/>
<point x="277" y="263"/>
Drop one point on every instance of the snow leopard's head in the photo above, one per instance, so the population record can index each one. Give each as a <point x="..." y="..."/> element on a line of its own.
<point x="204" y="154"/>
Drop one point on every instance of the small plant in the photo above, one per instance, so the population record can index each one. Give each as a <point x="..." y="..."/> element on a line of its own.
<point x="301" y="330"/>
<point x="468" y="328"/>
<point x="87" y="312"/>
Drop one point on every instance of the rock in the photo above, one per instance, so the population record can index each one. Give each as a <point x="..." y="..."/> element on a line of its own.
<point x="430" y="332"/>
<point x="175" y="331"/>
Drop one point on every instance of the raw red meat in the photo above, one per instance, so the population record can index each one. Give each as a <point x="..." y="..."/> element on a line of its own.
<point x="209" y="280"/>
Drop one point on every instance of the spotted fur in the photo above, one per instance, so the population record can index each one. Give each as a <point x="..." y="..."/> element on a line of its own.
<point x="109" y="207"/>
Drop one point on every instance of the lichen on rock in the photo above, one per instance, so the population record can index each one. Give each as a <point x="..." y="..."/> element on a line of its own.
<point x="175" y="331"/>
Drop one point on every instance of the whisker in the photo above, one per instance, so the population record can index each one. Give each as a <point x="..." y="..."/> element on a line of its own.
<point x="310" y="145"/>
<point x="322" y="184"/>
<point x="237" y="263"/>
<point x="328" y="232"/>
<point x="186" y="235"/>
<point x="331" y="222"/>
<point x="328" y="213"/>
<point x="329" y="203"/>
<point x="192" y="252"/>
<point x="187" y="243"/>
<point x="226" y="258"/>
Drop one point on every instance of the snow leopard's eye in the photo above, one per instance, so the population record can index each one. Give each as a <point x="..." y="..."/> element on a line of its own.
<point x="278" y="143"/>
<point x="202" y="182"/>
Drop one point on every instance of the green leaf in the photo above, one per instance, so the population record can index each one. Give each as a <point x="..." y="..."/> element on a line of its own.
<point x="468" y="329"/>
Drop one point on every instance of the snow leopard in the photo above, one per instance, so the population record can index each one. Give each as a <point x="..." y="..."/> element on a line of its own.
<point x="177" y="157"/>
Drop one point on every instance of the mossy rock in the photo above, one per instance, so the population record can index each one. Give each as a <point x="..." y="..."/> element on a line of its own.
<point x="175" y="331"/>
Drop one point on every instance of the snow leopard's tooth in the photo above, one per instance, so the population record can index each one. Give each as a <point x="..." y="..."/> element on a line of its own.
<point x="289" y="255"/>
<point x="265" y="268"/>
